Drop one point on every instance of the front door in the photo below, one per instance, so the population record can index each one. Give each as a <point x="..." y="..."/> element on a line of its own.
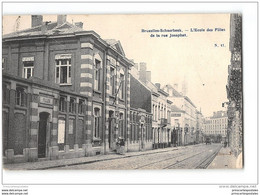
<point x="42" y="135"/>
<point x="111" y="129"/>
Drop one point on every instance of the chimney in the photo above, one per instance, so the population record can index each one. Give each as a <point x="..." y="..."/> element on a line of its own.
<point x="44" y="27"/>
<point x="175" y="86"/>
<point x="148" y="75"/>
<point x="142" y="72"/>
<point x="61" y="19"/>
<point x="36" y="20"/>
<point x="79" y="24"/>
<point x="158" y="85"/>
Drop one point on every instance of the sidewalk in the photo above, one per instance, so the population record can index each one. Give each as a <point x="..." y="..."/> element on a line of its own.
<point x="225" y="160"/>
<point x="40" y="165"/>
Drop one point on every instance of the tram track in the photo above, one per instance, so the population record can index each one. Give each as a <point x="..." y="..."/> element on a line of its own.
<point x="206" y="162"/>
<point x="181" y="163"/>
<point x="188" y="158"/>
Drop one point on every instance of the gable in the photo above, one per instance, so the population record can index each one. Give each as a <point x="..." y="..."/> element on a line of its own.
<point x="119" y="48"/>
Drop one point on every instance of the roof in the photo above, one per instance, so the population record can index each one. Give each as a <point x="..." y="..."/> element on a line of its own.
<point x="50" y="29"/>
<point x="175" y="93"/>
<point x="116" y="45"/>
<point x="189" y="100"/>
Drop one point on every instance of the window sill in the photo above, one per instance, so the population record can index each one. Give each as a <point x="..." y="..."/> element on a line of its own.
<point x="21" y="107"/>
<point x="96" y="139"/>
<point x="112" y="96"/>
<point x="65" y="84"/>
<point x="97" y="91"/>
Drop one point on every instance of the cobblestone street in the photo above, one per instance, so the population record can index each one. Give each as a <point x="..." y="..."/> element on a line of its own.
<point x="192" y="157"/>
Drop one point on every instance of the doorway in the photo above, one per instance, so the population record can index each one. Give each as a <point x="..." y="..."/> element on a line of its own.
<point x="42" y="134"/>
<point x="111" y="129"/>
<point x="142" y="137"/>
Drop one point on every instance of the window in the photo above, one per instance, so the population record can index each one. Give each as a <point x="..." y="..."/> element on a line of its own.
<point x="156" y="113"/>
<point x="112" y="81"/>
<point x="3" y="63"/>
<point x="80" y="106"/>
<point x="28" y="67"/>
<point x="61" y="133"/>
<point x="159" y="112"/>
<point x="71" y="126"/>
<point x="5" y="93"/>
<point x="96" y="122"/>
<point x="97" y="74"/>
<point x="20" y="96"/>
<point x="62" y="104"/>
<point x="63" y="68"/>
<point x="121" y="87"/>
<point x="72" y="105"/>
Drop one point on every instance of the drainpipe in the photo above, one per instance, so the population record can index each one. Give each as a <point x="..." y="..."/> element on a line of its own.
<point x="104" y="98"/>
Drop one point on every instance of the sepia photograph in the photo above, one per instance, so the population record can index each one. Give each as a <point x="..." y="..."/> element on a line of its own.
<point x="122" y="92"/>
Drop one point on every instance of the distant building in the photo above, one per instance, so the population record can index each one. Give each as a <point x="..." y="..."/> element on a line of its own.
<point x="188" y="119"/>
<point x="199" y="127"/>
<point x="216" y="124"/>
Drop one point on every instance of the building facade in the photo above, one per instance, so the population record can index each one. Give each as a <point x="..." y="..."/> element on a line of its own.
<point x="200" y="127"/>
<point x="188" y="119"/>
<point x="160" y="108"/>
<point x="217" y="125"/>
<point x="66" y="92"/>
<point x="141" y="134"/>
<point x="234" y="86"/>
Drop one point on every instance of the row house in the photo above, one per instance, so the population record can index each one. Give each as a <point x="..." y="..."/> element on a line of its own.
<point x="141" y="134"/>
<point x="66" y="92"/>
<point x="161" y="109"/>
<point x="183" y="115"/>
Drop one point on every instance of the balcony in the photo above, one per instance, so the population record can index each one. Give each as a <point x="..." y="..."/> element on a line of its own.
<point x="163" y="122"/>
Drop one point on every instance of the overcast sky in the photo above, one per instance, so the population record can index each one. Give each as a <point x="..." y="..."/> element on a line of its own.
<point x="193" y="58"/>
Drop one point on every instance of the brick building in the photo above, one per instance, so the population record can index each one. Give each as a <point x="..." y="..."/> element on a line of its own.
<point x="141" y="135"/>
<point x="160" y="107"/>
<point x="66" y="92"/>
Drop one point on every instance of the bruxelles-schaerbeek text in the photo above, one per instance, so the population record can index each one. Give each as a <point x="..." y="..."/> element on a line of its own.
<point x="172" y="33"/>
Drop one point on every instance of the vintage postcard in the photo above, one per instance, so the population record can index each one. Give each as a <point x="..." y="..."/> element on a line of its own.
<point x="122" y="92"/>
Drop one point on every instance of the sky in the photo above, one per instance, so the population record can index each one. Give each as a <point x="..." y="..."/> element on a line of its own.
<point x="193" y="59"/>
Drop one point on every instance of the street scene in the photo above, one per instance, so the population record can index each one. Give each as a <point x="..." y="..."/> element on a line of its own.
<point x="152" y="95"/>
